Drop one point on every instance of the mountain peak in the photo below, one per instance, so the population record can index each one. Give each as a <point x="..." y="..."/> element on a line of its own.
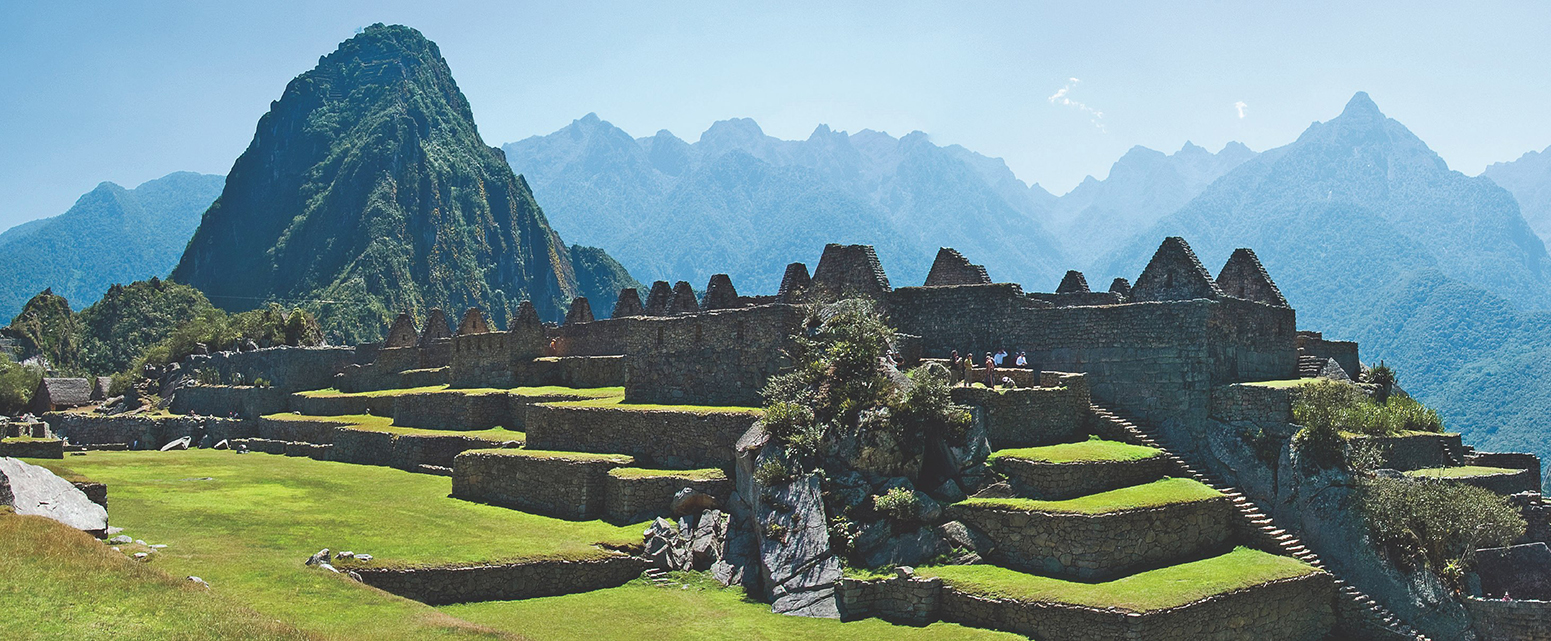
<point x="1361" y="107"/>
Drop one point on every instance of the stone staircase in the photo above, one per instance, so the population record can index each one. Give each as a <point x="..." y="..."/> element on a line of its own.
<point x="1373" y="618"/>
<point x="1309" y="365"/>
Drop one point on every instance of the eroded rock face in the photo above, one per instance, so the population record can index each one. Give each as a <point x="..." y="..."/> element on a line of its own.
<point x="30" y="489"/>
<point x="800" y="572"/>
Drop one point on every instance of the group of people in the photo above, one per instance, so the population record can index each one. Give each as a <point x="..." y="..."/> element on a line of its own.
<point x="962" y="369"/>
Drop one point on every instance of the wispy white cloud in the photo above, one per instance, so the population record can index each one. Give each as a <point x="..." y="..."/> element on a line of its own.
<point x="1241" y="106"/>
<point x="1063" y="97"/>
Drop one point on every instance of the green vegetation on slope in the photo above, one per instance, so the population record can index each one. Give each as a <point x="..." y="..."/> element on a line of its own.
<point x="1435" y="522"/>
<point x="17" y="383"/>
<point x="61" y="583"/>
<point x="703" y="611"/>
<point x="368" y="191"/>
<point x="1155" y="494"/>
<point x="129" y="319"/>
<point x="1159" y="589"/>
<point x="246" y="522"/>
<point x="111" y="235"/>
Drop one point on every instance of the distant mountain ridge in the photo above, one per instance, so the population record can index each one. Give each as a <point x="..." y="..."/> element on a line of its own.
<point x="1529" y="178"/>
<point x="367" y="191"/>
<point x="111" y="235"/>
<point x="746" y="203"/>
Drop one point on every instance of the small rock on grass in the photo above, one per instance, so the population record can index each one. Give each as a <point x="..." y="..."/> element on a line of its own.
<point x="347" y="554"/>
<point x="121" y="539"/>
<point x="328" y="567"/>
<point x="199" y="582"/>
<point x="363" y="557"/>
<point x="114" y="530"/>
<point x="141" y="556"/>
<point x="322" y="557"/>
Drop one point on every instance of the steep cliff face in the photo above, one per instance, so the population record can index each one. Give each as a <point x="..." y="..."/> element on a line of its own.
<point x="367" y="191"/>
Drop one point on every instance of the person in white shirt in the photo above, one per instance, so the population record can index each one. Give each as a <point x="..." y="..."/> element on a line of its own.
<point x="1022" y="361"/>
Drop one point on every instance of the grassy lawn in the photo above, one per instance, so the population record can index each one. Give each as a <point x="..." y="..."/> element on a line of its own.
<point x="245" y="523"/>
<point x="621" y="459"/>
<point x="549" y="390"/>
<point x="25" y="439"/>
<point x="61" y="583"/>
<point x="1154" y="494"/>
<point x="1464" y="471"/>
<point x="704" y="611"/>
<point x="1292" y="382"/>
<point x="710" y="474"/>
<point x="1159" y="589"/>
<point x="372" y="423"/>
<point x="1090" y="451"/>
<point x="618" y="402"/>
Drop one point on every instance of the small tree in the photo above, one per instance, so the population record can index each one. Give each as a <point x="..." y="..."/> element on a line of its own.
<point x="1384" y="377"/>
<point x="1437" y="523"/>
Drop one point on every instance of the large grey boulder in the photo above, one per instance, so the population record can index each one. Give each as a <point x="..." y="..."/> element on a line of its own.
<point x="799" y="570"/>
<point x="30" y="489"/>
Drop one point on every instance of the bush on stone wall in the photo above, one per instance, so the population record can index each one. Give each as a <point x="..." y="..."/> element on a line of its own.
<point x="17" y="383"/>
<point x="1327" y="409"/>
<point x="1436" y="523"/>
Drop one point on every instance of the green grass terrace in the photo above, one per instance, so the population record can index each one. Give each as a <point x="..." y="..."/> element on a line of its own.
<point x="371" y="423"/>
<point x="1089" y="451"/>
<point x="1461" y="472"/>
<point x="1159" y="589"/>
<point x="1158" y="493"/>
<point x="545" y="391"/>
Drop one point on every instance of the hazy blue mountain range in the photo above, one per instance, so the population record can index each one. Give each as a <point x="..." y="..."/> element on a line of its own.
<point x="1529" y="178"/>
<point x="368" y="191"/>
<point x="1099" y="216"/>
<point x="741" y="202"/>
<point x="111" y="235"/>
<point x="1372" y="238"/>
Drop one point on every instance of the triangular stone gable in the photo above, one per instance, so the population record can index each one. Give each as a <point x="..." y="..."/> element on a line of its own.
<point x="683" y="299"/>
<point x="580" y="312"/>
<point x="403" y="332"/>
<point x="719" y="293"/>
<point x="1073" y="283"/>
<point x="659" y="299"/>
<point x="1243" y="276"/>
<point x="1120" y="286"/>
<point x="1174" y="273"/>
<point x="527" y="316"/>
<point x="845" y="271"/>
<point x="435" y="327"/>
<point x="952" y="268"/>
<point x="629" y="304"/>
<point x="473" y="323"/>
<point x="794" y="284"/>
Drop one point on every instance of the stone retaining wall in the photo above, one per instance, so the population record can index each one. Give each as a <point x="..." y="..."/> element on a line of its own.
<point x="1504" y="484"/>
<point x="896" y="599"/>
<point x="403" y="451"/>
<point x="29" y="448"/>
<point x="1413" y="451"/>
<point x="339" y="405"/>
<point x="230" y="401"/>
<point x="657" y="438"/>
<point x="1100" y="546"/>
<point x="291" y="369"/>
<point x="1510" y="460"/>
<point x="1298" y="609"/>
<point x="1026" y="417"/>
<point x="1250" y="403"/>
<point x="1497" y="620"/>
<point x="454" y="410"/>
<point x="548" y="483"/>
<point x="1060" y="481"/>
<point x="504" y="582"/>
<point x="632" y="497"/>
<point x="572" y="371"/>
<point x="141" y="432"/>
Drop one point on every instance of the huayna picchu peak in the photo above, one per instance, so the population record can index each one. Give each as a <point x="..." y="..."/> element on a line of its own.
<point x="367" y="191"/>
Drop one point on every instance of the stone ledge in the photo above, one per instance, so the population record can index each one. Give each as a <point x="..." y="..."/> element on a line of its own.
<point x="505" y="581"/>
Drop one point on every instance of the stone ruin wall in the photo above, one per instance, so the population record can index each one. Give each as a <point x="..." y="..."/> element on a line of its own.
<point x="286" y="368"/>
<point x="1094" y="547"/>
<point x="1299" y="609"/>
<point x="676" y="440"/>
<point x="505" y="581"/>
<point x="1156" y="360"/>
<point x="720" y="357"/>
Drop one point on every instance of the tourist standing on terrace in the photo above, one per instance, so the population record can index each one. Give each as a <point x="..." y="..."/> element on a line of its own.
<point x="1001" y="354"/>
<point x="990" y="371"/>
<point x="1022" y="360"/>
<point x="969" y="368"/>
<point x="953" y="368"/>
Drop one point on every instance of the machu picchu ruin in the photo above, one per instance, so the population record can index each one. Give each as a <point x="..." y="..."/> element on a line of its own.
<point x="1147" y="467"/>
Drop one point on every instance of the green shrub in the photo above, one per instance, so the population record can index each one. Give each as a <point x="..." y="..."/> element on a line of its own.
<point x="899" y="504"/>
<point x="1436" y="523"/>
<point x="772" y="473"/>
<point x="1384" y="377"/>
<point x="17" y="383"/>
<point x="1337" y="406"/>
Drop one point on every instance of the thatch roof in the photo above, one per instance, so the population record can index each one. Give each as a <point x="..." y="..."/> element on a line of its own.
<point x="66" y="392"/>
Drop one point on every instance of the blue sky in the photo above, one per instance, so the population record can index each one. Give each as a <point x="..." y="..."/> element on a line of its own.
<point x="131" y="91"/>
